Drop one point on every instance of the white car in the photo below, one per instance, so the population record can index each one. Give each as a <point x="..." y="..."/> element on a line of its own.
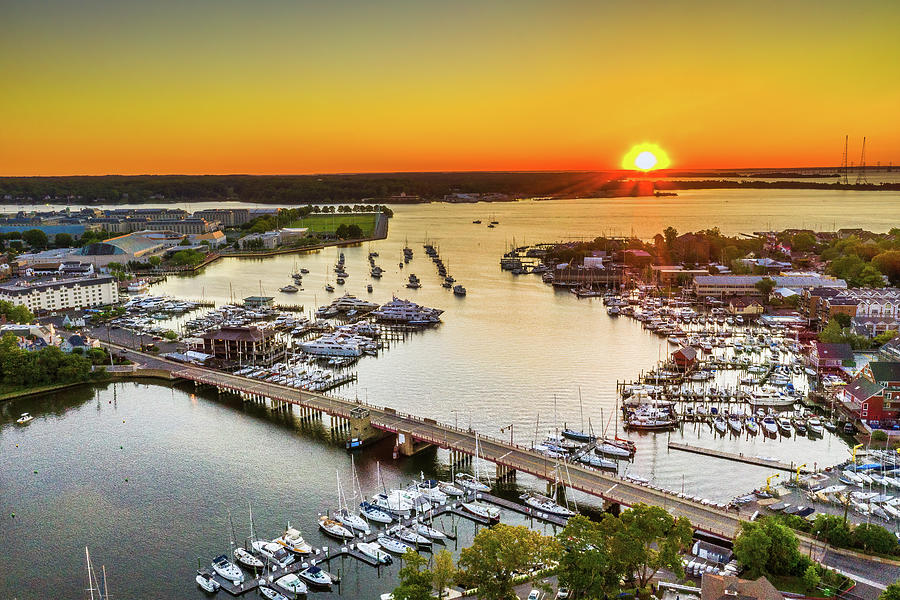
<point x="534" y="595"/>
<point x="562" y="593"/>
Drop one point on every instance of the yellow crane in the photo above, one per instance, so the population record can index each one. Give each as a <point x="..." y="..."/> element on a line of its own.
<point x="853" y="452"/>
<point x="798" y="472"/>
<point x="769" y="480"/>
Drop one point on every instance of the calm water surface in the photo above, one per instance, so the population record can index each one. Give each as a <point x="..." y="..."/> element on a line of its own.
<point x="513" y="352"/>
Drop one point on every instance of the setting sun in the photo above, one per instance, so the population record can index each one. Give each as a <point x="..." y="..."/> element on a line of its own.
<point x="646" y="157"/>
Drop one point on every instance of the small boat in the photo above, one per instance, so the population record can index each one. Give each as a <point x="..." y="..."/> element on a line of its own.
<point x="547" y="505"/>
<point x="292" y="584"/>
<point x="247" y="559"/>
<point x="784" y="425"/>
<point x="24" y="419"/>
<point x="470" y="483"/>
<point x="450" y="489"/>
<point x="393" y="544"/>
<point x="227" y="569"/>
<point x="207" y="583"/>
<point x="289" y="289"/>
<point x="720" y="424"/>
<point x="409" y="536"/>
<point x="815" y="426"/>
<point x="315" y="576"/>
<point x="430" y="532"/>
<point x="369" y="288"/>
<point x="374" y="551"/>
<point x="770" y="425"/>
<point x="616" y="451"/>
<point x="340" y="281"/>
<point x="830" y="425"/>
<point x="479" y="509"/>
<point x="271" y="594"/>
<point x="477" y="221"/>
<point x="751" y="426"/>
<point x="578" y="436"/>
<point x="735" y="424"/>
<point x="329" y="287"/>
<point x="373" y="513"/>
<point x="334" y="529"/>
<point x="351" y="521"/>
<point x="459" y="290"/>
<point x="304" y="271"/>
<point x="598" y="462"/>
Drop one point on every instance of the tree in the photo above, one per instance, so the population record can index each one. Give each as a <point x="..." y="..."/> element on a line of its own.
<point x="443" y="573"/>
<point x="498" y="554"/>
<point x="63" y="240"/>
<point x="888" y="263"/>
<point x="767" y="547"/>
<point x="844" y="320"/>
<point x="154" y="261"/>
<point x="15" y="313"/>
<point x="587" y="565"/>
<point x="892" y="592"/>
<point x="415" y="580"/>
<point x="671" y="234"/>
<point x="646" y="539"/>
<point x="36" y="238"/>
<point x="803" y="242"/>
<point x="879" y="436"/>
<point x="811" y="578"/>
<point x="765" y="286"/>
<point x="833" y="529"/>
<point x="874" y="538"/>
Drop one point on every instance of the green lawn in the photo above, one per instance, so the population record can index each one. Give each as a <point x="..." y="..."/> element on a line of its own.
<point x="8" y="392"/>
<point x="329" y="223"/>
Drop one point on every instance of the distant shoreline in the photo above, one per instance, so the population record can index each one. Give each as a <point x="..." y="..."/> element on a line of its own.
<point x="393" y="189"/>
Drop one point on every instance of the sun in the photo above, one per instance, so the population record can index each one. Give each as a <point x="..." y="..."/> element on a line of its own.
<point x="645" y="157"/>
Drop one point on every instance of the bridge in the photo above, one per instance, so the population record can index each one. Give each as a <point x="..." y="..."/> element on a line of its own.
<point x="612" y="489"/>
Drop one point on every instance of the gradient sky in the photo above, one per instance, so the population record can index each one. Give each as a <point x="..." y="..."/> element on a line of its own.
<point x="278" y="86"/>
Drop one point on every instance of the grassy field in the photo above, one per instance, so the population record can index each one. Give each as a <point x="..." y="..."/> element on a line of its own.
<point x="329" y="223"/>
<point x="8" y="392"/>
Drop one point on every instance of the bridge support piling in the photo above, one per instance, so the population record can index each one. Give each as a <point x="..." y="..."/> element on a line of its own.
<point x="504" y="473"/>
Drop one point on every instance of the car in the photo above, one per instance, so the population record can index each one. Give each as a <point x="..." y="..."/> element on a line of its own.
<point x="534" y="595"/>
<point x="562" y="593"/>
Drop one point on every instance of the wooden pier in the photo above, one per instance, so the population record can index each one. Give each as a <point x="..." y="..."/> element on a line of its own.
<point x="750" y="460"/>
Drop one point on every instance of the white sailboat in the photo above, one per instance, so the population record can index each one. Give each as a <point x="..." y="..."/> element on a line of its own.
<point x="344" y="516"/>
<point x="472" y="483"/>
<point x="374" y="551"/>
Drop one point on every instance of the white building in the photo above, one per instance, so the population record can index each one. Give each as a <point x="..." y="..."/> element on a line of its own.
<point x="62" y="294"/>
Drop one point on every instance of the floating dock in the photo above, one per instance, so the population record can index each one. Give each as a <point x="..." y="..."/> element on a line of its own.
<point x="759" y="461"/>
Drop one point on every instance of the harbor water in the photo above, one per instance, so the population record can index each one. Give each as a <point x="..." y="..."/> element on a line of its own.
<point x="146" y="474"/>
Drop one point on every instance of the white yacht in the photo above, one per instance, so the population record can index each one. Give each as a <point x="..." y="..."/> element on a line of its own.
<point x="373" y="513"/>
<point x="480" y="509"/>
<point x="406" y="311"/>
<point x="294" y="542"/>
<point x="315" y="576"/>
<point x="227" y="569"/>
<point x="247" y="559"/>
<point x="547" y="505"/>
<point x="334" y="529"/>
<point x="207" y="582"/>
<point x="273" y="552"/>
<point x="374" y="551"/>
<point x="24" y="419"/>
<point x="430" y="532"/>
<point x="351" y="521"/>
<point x="405" y="534"/>
<point x="393" y="544"/>
<point x="271" y="594"/>
<point x="470" y="483"/>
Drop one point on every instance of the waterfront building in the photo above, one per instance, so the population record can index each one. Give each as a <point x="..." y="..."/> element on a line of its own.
<point x="744" y="306"/>
<point x="182" y="226"/>
<point x="874" y="395"/>
<point x="823" y="356"/>
<point x="139" y="246"/>
<point x="243" y="345"/>
<point x="722" y="286"/>
<point x="228" y="217"/>
<point x="62" y="294"/>
<point x="257" y="302"/>
<point x="672" y="275"/>
<point x="215" y="239"/>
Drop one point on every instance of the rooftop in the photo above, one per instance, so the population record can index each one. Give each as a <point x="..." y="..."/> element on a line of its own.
<point x="885" y="371"/>
<point x="834" y="351"/>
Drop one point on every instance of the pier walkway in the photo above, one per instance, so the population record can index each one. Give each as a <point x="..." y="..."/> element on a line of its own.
<point x="759" y="461"/>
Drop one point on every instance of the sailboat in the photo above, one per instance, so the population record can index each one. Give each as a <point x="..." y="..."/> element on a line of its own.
<point x="578" y="436"/>
<point x="471" y="483"/>
<point x="240" y="554"/>
<point x="344" y="516"/>
<point x="96" y="586"/>
<point x="369" y="511"/>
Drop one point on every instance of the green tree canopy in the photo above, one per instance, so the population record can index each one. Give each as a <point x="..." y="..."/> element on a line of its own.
<point x="765" y="286"/>
<point x="36" y="238"/>
<point x="891" y="593"/>
<point x="15" y="313"/>
<point x="443" y="573"/>
<point x="415" y="579"/>
<point x="767" y="547"/>
<point x="498" y="554"/>
<point x="588" y="565"/>
<point x="63" y="240"/>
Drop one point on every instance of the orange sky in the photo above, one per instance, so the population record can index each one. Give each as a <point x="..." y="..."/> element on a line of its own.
<point x="280" y="86"/>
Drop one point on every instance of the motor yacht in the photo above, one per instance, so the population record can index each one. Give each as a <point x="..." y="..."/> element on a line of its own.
<point x="374" y="551"/>
<point x="315" y="576"/>
<point x="293" y="584"/>
<point x="294" y="542"/>
<point x="480" y="509"/>
<point x="273" y="552"/>
<point x="207" y="582"/>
